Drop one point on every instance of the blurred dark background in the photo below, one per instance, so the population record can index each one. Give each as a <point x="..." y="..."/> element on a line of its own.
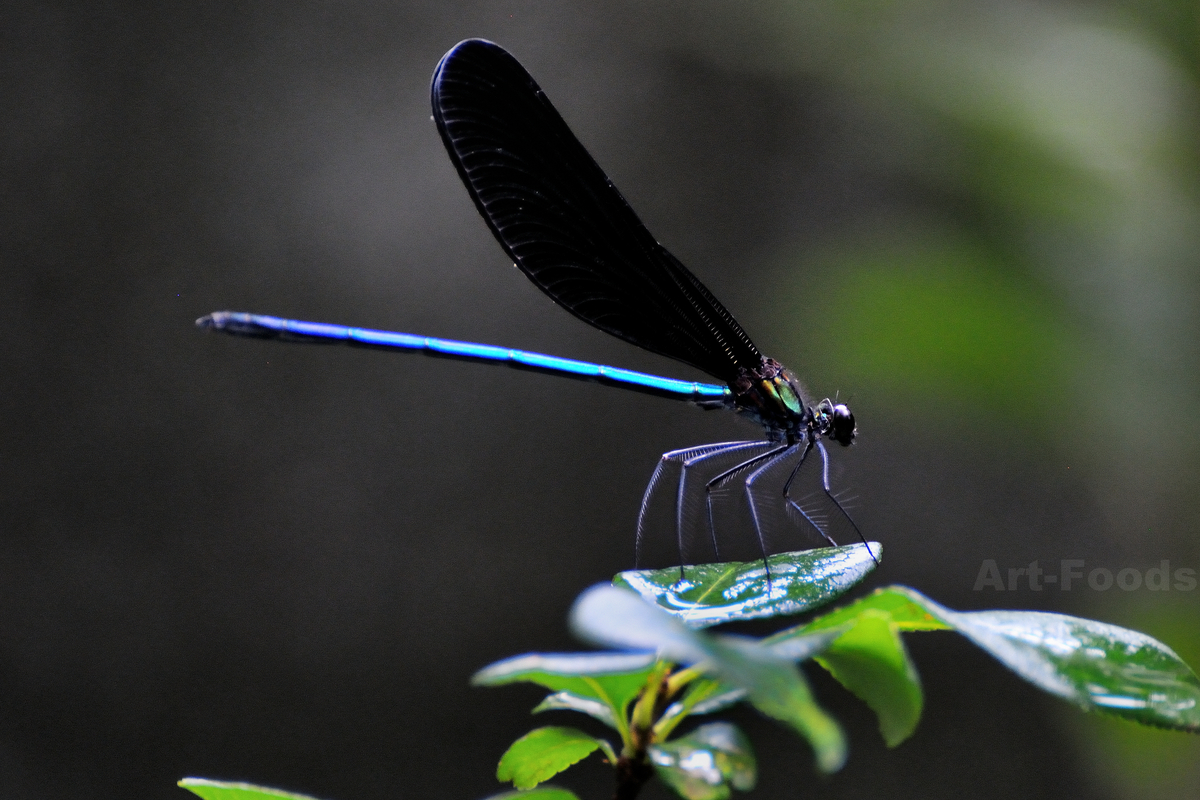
<point x="977" y="222"/>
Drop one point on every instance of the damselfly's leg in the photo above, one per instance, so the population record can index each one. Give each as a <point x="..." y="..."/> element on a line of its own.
<point x="716" y="481"/>
<point x="687" y="458"/>
<point x="787" y="487"/>
<point x="829" y="494"/>
<point x="713" y="482"/>
<point x="773" y="458"/>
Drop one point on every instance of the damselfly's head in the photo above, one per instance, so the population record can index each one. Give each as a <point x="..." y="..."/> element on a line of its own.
<point x="834" y="421"/>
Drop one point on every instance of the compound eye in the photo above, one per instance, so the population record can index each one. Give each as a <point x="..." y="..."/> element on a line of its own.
<point x="842" y="431"/>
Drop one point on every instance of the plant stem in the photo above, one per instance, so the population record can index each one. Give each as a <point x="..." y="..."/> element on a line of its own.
<point x="632" y="774"/>
<point x="633" y="768"/>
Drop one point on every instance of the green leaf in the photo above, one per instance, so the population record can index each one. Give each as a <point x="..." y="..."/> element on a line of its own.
<point x="705" y="763"/>
<point x="870" y="660"/>
<point x="223" y="790"/>
<point x="786" y="697"/>
<point x="613" y="679"/>
<point x="565" y="701"/>
<point x="615" y="617"/>
<point x="905" y="613"/>
<point x="1101" y="667"/>
<point x="543" y="753"/>
<point x="709" y="594"/>
<point x="540" y="793"/>
<point x="868" y="657"/>
<point x="709" y="696"/>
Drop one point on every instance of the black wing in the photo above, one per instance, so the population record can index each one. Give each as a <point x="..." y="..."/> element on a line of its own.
<point x="563" y="222"/>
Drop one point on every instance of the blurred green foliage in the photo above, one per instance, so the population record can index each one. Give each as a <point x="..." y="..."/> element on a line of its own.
<point x="944" y="327"/>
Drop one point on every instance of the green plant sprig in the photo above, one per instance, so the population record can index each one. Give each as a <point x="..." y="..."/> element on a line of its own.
<point x="663" y="668"/>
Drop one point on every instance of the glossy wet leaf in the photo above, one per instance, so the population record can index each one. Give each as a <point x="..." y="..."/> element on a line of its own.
<point x="612" y="679"/>
<point x="540" y="793"/>
<point x="709" y="594"/>
<point x="1101" y="667"/>
<point x="615" y="617"/>
<point x="704" y="764"/>
<point x="224" y="790"/>
<point x="543" y="753"/>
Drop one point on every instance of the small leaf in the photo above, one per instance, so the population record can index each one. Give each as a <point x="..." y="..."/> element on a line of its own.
<point x="706" y="762"/>
<point x="870" y="660"/>
<point x="710" y="594"/>
<point x="565" y="701"/>
<point x="540" y="793"/>
<point x="543" y="753"/>
<point x="224" y="790"/>
<point x="615" y="617"/>
<point x="721" y="697"/>
<point x="704" y="696"/>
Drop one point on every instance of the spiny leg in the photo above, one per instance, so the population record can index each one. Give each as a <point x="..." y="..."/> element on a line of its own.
<point x="726" y="475"/>
<point x="655" y="477"/>
<point x="829" y="494"/>
<point x="774" y="457"/>
<point x="687" y="457"/>
<point x="787" y="487"/>
<point x="681" y="496"/>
